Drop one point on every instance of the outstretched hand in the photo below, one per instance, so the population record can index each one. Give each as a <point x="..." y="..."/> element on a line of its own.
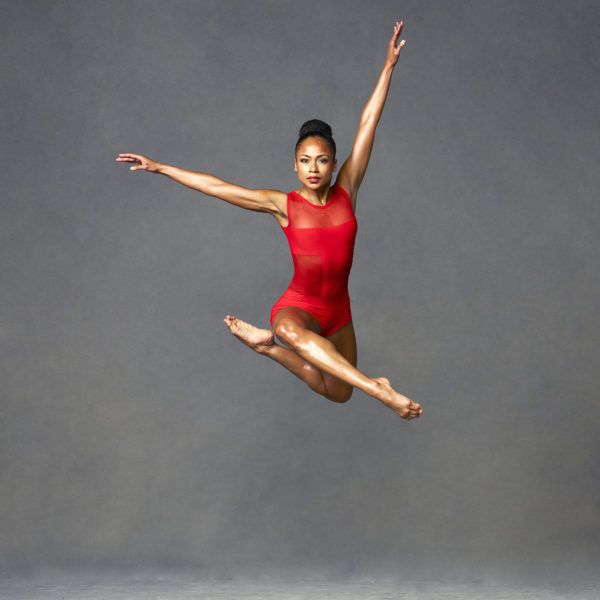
<point x="142" y="163"/>
<point x="394" y="48"/>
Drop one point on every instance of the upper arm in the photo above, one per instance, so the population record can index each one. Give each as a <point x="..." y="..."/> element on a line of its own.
<point x="269" y="201"/>
<point x="353" y="170"/>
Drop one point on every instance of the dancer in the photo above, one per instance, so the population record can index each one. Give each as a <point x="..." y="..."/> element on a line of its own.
<point x="312" y="318"/>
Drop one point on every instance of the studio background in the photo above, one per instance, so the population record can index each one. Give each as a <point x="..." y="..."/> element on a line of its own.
<point x="136" y="431"/>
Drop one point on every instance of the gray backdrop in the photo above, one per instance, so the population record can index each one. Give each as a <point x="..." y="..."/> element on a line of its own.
<point x="137" y="431"/>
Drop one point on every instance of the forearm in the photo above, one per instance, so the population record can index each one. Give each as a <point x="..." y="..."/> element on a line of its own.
<point x="203" y="182"/>
<point x="374" y="107"/>
<point x="258" y="200"/>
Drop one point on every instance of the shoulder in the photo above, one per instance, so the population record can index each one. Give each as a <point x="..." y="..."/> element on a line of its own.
<point x="276" y="197"/>
<point x="344" y="190"/>
<point x="337" y="187"/>
<point x="271" y="201"/>
<point x="278" y="202"/>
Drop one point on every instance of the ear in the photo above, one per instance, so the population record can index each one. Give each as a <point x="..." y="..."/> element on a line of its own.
<point x="334" y="165"/>
<point x="295" y="165"/>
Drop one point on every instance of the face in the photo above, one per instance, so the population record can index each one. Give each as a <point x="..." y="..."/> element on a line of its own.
<point x="314" y="163"/>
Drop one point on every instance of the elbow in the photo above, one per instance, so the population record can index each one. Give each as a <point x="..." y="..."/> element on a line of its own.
<point x="211" y="188"/>
<point x="369" y="119"/>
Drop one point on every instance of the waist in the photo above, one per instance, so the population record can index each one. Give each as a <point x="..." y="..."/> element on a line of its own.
<point x="292" y="295"/>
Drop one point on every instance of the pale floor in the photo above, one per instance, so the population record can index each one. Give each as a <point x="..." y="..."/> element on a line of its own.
<point x="73" y="585"/>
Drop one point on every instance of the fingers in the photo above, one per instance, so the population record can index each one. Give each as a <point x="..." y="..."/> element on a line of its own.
<point x="395" y="48"/>
<point x="134" y="158"/>
<point x="397" y="29"/>
<point x="128" y="157"/>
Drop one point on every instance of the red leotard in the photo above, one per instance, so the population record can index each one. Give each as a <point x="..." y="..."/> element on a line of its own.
<point x="321" y="239"/>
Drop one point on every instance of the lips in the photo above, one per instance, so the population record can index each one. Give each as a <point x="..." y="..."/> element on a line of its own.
<point x="313" y="179"/>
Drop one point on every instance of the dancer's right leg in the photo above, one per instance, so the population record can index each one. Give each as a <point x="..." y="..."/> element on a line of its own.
<point x="263" y="342"/>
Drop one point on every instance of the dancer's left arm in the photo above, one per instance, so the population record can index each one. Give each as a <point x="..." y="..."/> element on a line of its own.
<point x="352" y="172"/>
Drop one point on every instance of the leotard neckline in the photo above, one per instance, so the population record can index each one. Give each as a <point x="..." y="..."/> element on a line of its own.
<point x="318" y="205"/>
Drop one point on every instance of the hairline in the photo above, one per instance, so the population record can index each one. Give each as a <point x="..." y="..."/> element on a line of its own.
<point x="330" y="143"/>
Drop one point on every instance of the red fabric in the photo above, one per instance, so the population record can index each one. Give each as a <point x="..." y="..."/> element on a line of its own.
<point x="321" y="239"/>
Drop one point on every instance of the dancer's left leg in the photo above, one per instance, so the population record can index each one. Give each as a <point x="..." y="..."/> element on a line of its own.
<point x="322" y="353"/>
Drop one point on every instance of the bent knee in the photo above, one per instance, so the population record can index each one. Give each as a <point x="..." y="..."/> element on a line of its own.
<point x="288" y="330"/>
<point x="340" y="394"/>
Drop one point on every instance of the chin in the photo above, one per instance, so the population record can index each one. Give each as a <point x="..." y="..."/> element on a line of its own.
<point x="319" y="184"/>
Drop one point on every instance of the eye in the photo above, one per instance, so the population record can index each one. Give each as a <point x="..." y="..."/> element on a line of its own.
<point x="304" y="160"/>
<point x="324" y="161"/>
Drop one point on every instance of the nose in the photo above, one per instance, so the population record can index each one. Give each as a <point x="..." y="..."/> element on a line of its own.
<point x="314" y="168"/>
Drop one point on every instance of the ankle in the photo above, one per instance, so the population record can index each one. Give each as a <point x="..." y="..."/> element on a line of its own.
<point x="265" y="349"/>
<point x="380" y="390"/>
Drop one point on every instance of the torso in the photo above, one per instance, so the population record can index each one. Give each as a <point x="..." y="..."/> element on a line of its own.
<point x="321" y="239"/>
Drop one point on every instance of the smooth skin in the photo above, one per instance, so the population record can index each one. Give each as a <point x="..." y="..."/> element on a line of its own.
<point x="326" y="364"/>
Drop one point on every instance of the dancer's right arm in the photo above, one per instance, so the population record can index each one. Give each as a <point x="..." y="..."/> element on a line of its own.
<point x="270" y="201"/>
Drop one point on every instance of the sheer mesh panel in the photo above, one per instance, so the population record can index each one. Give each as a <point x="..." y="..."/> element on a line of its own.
<point x="304" y="214"/>
<point x="311" y="269"/>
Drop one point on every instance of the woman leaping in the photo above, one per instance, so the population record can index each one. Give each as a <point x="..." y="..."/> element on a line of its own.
<point x="312" y="318"/>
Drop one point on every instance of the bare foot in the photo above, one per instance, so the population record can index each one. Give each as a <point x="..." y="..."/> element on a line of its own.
<point x="257" y="339"/>
<point x="404" y="407"/>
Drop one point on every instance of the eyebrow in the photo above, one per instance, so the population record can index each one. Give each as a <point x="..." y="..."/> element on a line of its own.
<point x="318" y="155"/>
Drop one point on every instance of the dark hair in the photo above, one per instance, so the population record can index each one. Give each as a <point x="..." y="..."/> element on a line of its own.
<point x="318" y="128"/>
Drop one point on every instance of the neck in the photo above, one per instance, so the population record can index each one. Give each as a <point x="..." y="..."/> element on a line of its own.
<point x="320" y="197"/>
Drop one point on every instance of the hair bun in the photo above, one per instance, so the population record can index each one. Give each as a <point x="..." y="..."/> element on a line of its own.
<point x="315" y="127"/>
<point x="318" y="128"/>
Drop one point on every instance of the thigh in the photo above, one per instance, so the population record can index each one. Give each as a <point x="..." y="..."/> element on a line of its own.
<point x="344" y="340"/>
<point x="301" y="316"/>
